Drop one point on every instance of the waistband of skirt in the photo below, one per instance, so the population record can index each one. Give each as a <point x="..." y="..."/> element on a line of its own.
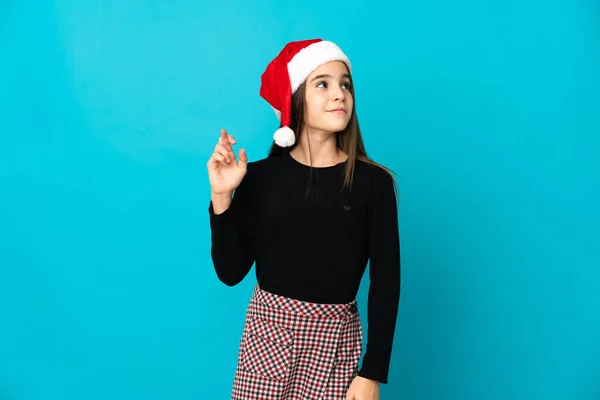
<point x="320" y="310"/>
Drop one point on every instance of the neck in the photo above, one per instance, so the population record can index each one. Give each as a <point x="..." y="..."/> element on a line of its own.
<point x="321" y="152"/>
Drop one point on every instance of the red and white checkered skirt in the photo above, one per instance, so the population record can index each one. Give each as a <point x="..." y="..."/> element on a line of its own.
<point x="297" y="350"/>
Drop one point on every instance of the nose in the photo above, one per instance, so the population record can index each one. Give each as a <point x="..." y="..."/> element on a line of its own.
<point x="339" y="94"/>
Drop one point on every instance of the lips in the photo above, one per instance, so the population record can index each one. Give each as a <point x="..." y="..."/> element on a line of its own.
<point x="339" y="110"/>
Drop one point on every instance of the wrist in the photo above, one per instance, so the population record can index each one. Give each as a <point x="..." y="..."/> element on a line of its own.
<point x="220" y="201"/>
<point x="221" y="196"/>
<point x="370" y="380"/>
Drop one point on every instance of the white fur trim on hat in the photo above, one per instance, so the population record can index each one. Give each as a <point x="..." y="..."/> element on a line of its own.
<point x="310" y="58"/>
<point x="284" y="137"/>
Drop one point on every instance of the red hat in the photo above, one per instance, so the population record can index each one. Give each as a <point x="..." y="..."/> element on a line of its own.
<point x="286" y="72"/>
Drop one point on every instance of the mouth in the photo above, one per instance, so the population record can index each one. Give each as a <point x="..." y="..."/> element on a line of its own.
<point x="339" y="110"/>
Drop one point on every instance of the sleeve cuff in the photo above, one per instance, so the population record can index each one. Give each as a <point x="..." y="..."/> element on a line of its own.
<point x="368" y="373"/>
<point x="219" y="222"/>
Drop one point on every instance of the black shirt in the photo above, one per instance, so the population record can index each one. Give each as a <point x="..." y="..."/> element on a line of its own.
<point x="315" y="247"/>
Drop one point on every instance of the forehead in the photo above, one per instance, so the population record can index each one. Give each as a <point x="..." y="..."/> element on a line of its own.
<point x="334" y="68"/>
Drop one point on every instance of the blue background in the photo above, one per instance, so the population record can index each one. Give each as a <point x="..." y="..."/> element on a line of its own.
<point x="109" y="111"/>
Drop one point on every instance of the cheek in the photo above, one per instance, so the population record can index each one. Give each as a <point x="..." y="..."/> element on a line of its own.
<point x="314" y="106"/>
<point x="308" y="112"/>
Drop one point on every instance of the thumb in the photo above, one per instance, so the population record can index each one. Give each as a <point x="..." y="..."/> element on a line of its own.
<point x="243" y="163"/>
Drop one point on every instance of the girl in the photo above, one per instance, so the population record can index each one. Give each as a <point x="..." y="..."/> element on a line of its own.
<point x="311" y="215"/>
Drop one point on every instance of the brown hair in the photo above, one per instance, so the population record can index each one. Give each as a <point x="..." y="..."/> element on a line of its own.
<point x="349" y="140"/>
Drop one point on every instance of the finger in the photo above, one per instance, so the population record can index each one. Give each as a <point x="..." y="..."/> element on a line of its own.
<point x="225" y="140"/>
<point x="219" y="157"/>
<point x="243" y="163"/>
<point x="229" y="155"/>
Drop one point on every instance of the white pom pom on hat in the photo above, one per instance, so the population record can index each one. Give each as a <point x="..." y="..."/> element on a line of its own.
<point x="284" y="136"/>
<point x="286" y="72"/>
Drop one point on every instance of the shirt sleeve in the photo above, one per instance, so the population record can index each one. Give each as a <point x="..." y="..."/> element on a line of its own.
<point x="384" y="289"/>
<point x="232" y="235"/>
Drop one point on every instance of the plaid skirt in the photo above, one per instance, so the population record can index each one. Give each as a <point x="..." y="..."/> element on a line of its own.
<point x="296" y="350"/>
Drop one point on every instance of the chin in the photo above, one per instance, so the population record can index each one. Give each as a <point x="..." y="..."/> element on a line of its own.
<point x="331" y="127"/>
<point x="334" y="127"/>
<point x="338" y="128"/>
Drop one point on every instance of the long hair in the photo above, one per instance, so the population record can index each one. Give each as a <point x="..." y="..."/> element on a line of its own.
<point x="349" y="140"/>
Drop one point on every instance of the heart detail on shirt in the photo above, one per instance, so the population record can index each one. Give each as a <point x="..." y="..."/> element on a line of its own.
<point x="347" y="207"/>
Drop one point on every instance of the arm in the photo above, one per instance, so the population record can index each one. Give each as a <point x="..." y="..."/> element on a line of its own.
<point x="232" y="233"/>
<point x="384" y="290"/>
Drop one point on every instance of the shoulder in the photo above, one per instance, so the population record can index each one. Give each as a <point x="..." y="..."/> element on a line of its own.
<point x="262" y="169"/>
<point x="382" y="189"/>
<point x="383" y="197"/>
<point x="376" y="174"/>
<point x="264" y="164"/>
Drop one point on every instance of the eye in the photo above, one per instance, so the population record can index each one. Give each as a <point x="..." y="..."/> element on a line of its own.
<point x="346" y="85"/>
<point x="322" y="83"/>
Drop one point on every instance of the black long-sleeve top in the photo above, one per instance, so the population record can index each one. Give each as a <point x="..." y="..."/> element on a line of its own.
<point x="316" y="247"/>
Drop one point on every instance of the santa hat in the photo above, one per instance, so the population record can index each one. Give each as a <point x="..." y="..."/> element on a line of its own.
<point x="286" y="72"/>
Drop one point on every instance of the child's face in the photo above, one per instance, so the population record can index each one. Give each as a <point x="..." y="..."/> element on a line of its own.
<point x="329" y="101"/>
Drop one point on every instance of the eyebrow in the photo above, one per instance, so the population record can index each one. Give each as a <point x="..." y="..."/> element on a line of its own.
<point x="328" y="76"/>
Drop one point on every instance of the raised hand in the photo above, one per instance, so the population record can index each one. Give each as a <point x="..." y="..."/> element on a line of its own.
<point x="225" y="172"/>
